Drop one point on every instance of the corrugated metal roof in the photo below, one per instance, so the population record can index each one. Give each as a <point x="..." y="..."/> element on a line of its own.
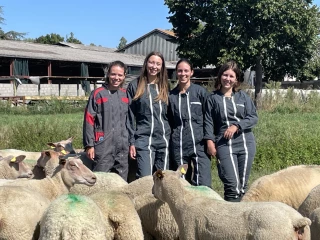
<point x="20" y="49"/>
<point x="85" y="47"/>
<point x="169" y="33"/>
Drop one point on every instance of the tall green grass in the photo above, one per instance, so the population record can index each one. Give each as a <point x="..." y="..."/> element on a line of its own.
<point x="287" y="132"/>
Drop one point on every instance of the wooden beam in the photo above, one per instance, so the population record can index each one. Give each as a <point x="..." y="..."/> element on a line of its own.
<point x="11" y="69"/>
<point x="49" y="72"/>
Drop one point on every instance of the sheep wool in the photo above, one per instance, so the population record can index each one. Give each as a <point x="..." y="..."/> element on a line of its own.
<point x="73" y="217"/>
<point x="203" y="218"/>
<point x="120" y="213"/>
<point x="105" y="181"/>
<point x="284" y="186"/>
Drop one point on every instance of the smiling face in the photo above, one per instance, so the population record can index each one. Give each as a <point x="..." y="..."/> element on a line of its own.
<point x="154" y="65"/>
<point x="228" y="80"/>
<point x="184" y="73"/>
<point x="116" y="77"/>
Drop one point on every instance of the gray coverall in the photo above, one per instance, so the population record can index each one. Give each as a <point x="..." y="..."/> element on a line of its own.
<point x="149" y="130"/>
<point x="104" y="128"/>
<point x="186" y="114"/>
<point x="235" y="156"/>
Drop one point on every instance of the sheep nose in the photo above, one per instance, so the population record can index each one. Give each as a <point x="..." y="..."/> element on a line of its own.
<point x="94" y="178"/>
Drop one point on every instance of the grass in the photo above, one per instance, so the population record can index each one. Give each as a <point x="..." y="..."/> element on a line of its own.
<point x="286" y="134"/>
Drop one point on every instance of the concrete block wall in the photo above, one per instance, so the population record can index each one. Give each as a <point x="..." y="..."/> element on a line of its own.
<point x="6" y="89"/>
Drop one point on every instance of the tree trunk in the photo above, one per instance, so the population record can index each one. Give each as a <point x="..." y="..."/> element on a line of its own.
<point x="258" y="82"/>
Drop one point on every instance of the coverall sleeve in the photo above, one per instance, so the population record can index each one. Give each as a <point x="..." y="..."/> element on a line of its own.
<point x="203" y="97"/>
<point x="170" y="116"/>
<point x="88" y="122"/>
<point x="251" y="118"/>
<point x="208" y="123"/>
<point x="131" y="115"/>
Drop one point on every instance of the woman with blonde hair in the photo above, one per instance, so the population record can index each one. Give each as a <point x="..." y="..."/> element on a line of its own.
<point x="147" y="121"/>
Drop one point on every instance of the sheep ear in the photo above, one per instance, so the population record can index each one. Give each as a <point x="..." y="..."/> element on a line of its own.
<point x="48" y="153"/>
<point x="51" y="144"/>
<point x="182" y="169"/>
<point x="159" y="174"/>
<point x="18" y="159"/>
<point x="62" y="161"/>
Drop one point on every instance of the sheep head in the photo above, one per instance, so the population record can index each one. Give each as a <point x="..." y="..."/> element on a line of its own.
<point x="64" y="145"/>
<point x="22" y="169"/>
<point x="75" y="172"/>
<point x="161" y="178"/>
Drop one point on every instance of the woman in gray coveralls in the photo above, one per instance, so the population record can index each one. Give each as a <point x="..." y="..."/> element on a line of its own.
<point x="186" y="113"/>
<point x="147" y="124"/>
<point x="229" y="119"/>
<point x="105" y="136"/>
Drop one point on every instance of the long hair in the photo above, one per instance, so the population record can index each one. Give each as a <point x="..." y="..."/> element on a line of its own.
<point x="162" y="79"/>
<point x="230" y="65"/>
<point x="119" y="64"/>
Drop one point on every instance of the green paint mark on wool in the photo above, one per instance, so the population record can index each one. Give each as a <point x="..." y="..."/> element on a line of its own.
<point x="74" y="198"/>
<point x="199" y="188"/>
<point x="75" y="201"/>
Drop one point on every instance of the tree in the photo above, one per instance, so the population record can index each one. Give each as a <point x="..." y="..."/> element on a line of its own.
<point x="276" y="37"/>
<point x="123" y="43"/>
<point x="11" y="35"/>
<point x="52" y="38"/>
<point x="72" y="39"/>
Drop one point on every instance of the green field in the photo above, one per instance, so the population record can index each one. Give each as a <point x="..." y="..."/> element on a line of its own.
<point x="287" y="132"/>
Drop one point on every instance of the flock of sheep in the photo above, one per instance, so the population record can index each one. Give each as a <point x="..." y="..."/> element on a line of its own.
<point x="53" y="195"/>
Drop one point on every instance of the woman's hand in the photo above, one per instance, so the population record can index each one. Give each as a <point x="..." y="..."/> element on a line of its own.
<point x="132" y="152"/>
<point x="228" y="134"/>
<point x="211" y="148"/>
<point x="90" y="153"/>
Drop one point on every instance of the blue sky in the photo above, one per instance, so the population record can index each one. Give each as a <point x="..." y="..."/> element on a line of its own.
<point x="102" y="22"/>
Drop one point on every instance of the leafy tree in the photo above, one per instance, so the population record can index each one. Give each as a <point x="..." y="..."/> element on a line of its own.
<point x="52" y="38"/>
<point x="275" y="36"/>
<point x="123" y="43"/>
<point x="11" y="35"/>
<point x="92" y="44"/>
<point x="72" y="39"/>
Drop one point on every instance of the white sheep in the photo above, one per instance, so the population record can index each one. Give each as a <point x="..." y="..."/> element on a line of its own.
<point x="61" y="180"/>
<point x="28" y="201"/>
<point x="156" y="218"/>
<point x="14" y="167"/>
<point x="203" y="218"/>
<point x="74" y="217"/>
<point x="290" y="186"/>
<point x="105" y="181"/>
<point x="33" y="156"/>
<point x="120" y="213"/>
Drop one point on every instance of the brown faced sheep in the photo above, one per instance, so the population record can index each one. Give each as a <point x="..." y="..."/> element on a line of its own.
<point x="202" y="218"/>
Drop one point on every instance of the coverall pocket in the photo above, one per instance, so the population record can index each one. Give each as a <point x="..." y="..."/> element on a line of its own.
<point x="196" y="110"/>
